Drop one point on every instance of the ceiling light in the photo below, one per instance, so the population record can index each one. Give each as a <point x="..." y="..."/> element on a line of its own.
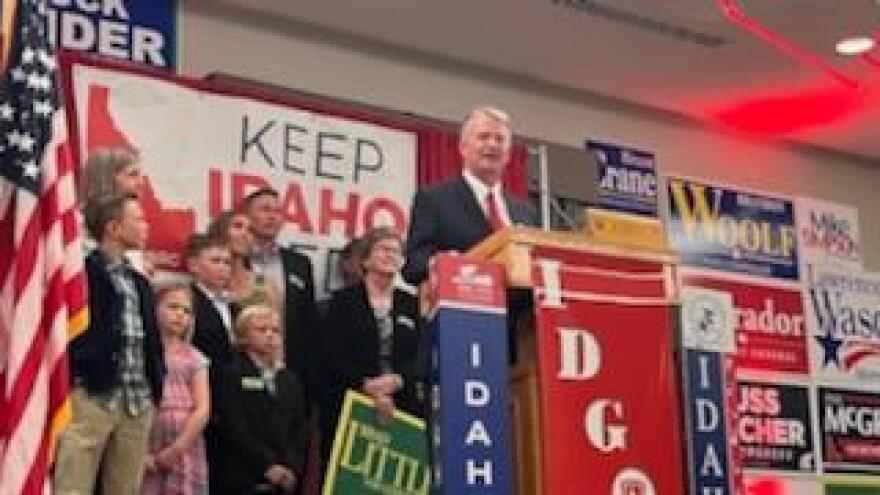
<point x="856" y="45"/>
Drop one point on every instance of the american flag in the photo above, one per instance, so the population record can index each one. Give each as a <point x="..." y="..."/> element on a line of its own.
<point x="42" y="283"/>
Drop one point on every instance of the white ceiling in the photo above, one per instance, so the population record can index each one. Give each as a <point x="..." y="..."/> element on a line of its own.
<point x="567" y="44"/>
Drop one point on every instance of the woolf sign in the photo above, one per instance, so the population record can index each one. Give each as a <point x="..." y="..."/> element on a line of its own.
<point x="727" y="229"/>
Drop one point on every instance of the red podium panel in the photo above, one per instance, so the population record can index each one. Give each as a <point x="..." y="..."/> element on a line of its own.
<point x="610" y="418"/>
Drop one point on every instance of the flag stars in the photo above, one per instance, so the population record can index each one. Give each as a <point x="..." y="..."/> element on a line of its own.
<point x="27" y="55"/>
<point x="6" y="111"/>
<point x="14" y="137"/>
<point x="26" y="143"/>
<point x="18" y="74"/>
<point x="38" y="82"/>
<point x="30" y="169"/>
<point x="46" y="60"/>
<point x="41" y="107"/>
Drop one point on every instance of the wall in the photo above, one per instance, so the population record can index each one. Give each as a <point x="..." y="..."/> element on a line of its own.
<point x="221" y="39"/>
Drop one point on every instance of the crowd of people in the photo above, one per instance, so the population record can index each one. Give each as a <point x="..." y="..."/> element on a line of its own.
<point x="210" y="385"/>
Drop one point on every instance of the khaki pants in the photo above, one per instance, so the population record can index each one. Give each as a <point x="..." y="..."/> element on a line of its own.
<point x="95" y="434"/>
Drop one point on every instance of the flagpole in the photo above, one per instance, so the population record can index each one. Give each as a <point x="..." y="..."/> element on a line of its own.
<point x="9" y="7"/>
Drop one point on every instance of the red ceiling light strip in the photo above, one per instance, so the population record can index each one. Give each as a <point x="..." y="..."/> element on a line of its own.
<point x="735" y="14"/>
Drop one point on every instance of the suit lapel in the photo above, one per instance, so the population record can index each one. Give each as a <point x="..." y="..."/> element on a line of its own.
<point x="471" y="205"/>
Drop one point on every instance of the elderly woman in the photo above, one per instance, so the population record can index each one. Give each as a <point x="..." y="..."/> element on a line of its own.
<point x="373" y="337"/>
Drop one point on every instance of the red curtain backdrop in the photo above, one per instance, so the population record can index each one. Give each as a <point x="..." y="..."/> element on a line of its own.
<point x="439" y="160"/>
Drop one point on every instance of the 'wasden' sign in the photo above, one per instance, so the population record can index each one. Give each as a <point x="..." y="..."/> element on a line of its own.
<point x="732" y="230"/>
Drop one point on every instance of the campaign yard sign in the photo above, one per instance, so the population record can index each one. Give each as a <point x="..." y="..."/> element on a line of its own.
<point x="733" y="230"/>
<point x="769" y="321"/>
<point x="843" y="317"/>
<point x="370" y="458"/>
<point x="137" y="31"/>
<point x="627" y="178"/>
<point x="774" y="427"/>
<point x="828" y="233"/>
<point x="850" y="430"/>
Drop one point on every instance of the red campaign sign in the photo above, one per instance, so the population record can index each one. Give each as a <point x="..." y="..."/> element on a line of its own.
<point x="770" y="325"/>
<point x="610" y="419"/>
<point x="460" y="280"/>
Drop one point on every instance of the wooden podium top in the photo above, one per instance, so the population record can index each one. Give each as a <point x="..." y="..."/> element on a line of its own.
<point x="512" y="247"/>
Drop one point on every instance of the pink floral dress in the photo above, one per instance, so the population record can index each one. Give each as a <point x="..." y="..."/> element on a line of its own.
<point x="190" y="475"/>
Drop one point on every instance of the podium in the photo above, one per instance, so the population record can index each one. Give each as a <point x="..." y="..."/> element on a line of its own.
<point x="624" y="238"/>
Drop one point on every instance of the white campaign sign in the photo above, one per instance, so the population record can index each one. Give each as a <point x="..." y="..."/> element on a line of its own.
<point x="203" y="151"/>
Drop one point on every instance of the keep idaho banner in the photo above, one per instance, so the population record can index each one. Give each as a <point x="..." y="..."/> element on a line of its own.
<point x="610" y="417"/>
<point x="204" y="148"/>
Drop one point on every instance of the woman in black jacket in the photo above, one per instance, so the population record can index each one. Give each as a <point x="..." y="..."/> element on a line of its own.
<point x="373" y="340"/>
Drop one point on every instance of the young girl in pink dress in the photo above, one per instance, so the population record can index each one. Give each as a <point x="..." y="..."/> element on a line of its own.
<point x="177" y="463"/>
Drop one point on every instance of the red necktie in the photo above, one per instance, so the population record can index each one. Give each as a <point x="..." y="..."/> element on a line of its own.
<point x="492" y="214"/>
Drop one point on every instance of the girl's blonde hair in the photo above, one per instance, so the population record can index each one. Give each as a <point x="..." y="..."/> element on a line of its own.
<point x="101" y="168"/>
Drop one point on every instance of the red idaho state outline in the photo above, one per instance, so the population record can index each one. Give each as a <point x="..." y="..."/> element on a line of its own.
<point x="169" y="227"/>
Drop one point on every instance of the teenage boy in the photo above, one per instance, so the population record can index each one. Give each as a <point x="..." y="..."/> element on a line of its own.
<point x="117" y="363"/>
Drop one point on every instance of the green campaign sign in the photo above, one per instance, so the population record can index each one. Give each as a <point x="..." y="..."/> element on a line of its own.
<point x="851" y="489"/>
<point x="370" y="458"/>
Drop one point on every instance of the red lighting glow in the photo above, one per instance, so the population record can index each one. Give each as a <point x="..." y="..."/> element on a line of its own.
<point x="767" y="486"/>
<point x="790" y="113"/>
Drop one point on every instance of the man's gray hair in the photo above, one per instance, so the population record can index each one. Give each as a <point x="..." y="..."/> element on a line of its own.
<point x="488" y="112"/>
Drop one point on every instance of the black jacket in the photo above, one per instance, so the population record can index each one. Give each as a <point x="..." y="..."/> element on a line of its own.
<point x="95" y="353"/>
<point x="300" y="313"/>
<point x="447" y="217"/>
<point x="255" y="429"/>
<point x="210" y="335"/>
<point x="351" y="351"/>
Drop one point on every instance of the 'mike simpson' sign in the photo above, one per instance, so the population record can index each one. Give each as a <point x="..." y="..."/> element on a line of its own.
<point x="627" y="178"/>
<point x="141" y="31"/>
<point x="850" y="427"/>
<point x="731" y="230"/>
<point x="470" y="436"/>
<point x="609" y="400"/>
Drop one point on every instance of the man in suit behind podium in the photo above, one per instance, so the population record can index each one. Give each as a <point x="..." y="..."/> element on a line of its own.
<point x="457" y="214"/>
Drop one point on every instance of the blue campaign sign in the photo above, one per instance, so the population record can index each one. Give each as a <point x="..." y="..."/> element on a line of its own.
<point x="143" y="31"/>
<point x="627" y="178"/>
<point x="469" y="427"/>
<point x="728" y="229"/>
<point x="709" y="466"/>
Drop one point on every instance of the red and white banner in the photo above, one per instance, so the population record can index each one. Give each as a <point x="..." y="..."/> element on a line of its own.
<point x="204" y="148"/>
<point x="610" y="418"/>
<point x="771" y="331"/>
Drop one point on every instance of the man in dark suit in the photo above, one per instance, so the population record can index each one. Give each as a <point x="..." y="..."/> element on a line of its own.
<point x="458" y="214"/>
<point x="292" y="273"/>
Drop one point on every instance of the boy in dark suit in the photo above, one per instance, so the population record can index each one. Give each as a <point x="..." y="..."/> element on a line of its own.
<point x="117" y="363"/>
<point x="209" y="260"/>
<point x="260" y="412"/>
